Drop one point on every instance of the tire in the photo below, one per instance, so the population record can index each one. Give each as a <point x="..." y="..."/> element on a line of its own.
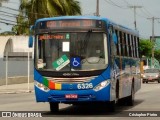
<point x="54" y="107"/>
<point x="112" y="106"/>
<point x="146" y="81"/>
<point x="130" y="99"/>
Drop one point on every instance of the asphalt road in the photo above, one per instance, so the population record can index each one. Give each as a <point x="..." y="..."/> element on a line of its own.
<point x="146" y="99"/>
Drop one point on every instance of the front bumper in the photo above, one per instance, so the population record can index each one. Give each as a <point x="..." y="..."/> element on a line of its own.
<point x="83" y="95"/>
<point x="153" y="79"/>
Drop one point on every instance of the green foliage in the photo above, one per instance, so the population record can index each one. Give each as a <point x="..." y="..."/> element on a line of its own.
<point x="157" y="54"/>
<point x="146" y="48"/>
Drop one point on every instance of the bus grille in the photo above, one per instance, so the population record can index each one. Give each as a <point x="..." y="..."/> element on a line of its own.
<point x="71" y="80"/>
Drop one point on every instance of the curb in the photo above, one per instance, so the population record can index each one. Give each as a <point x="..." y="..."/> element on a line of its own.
<point x="16" y="92"/>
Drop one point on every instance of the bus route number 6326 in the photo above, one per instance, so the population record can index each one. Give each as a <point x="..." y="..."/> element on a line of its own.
<point x="85" y="86"/>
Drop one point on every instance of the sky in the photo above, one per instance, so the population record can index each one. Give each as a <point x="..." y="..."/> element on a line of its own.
<point x="115" y="10"/>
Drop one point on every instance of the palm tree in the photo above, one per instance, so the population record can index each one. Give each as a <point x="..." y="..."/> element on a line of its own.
<point x="35" y="9"/>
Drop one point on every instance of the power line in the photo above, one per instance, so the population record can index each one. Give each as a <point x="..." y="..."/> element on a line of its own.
<point x="118" y="5"/>
<point x="141" y="16"/>
<point x="10" y="8"/>
<point x="13" y="14"/>
<point x="13" y="2"/>
<point x="7" y="20"/>
<point x="148" y="12"/>
<point x="45" y="15"/>
<point x="7" y="23"/>
<point x="144" y="12"/>
<point x="127" y="2"/>
<point x="7" y="15"/>
<point x="114" y="4"/>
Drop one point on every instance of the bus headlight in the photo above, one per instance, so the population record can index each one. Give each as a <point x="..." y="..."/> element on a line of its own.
<point x="41" y="86"/>
<point x="101" y="85"/>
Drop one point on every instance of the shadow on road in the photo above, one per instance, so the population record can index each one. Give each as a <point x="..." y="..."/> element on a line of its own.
<point x="150" y="83"/>
<point x="97" y="110"/>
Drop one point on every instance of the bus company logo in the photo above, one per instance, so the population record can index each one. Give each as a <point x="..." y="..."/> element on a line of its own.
<point x="70" y="74"/>
<point x="6" y="114"/>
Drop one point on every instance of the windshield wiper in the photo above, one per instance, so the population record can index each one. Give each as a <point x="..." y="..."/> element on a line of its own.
<point x="85" y="42"/>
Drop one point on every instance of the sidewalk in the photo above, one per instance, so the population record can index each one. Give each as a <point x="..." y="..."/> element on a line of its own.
<point x="17" y="88"/>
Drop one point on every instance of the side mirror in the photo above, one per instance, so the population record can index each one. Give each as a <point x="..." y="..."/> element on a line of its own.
<point x="30" y="43"/>
<point x="114" y="37"/>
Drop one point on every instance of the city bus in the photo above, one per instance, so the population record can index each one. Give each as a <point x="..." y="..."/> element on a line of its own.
<point x="84" y="59"/>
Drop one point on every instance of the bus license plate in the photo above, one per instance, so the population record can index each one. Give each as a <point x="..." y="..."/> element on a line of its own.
<point x="71" y="96"/>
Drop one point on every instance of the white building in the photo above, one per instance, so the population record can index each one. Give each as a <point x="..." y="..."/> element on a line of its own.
<point x="14" y="45"/>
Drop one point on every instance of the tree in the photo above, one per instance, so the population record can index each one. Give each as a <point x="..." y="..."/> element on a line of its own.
<point x="31" y="10"/>
<point x="157" y="54"/>
<point x="146" y="48"/>
<point x="22" y="27"/>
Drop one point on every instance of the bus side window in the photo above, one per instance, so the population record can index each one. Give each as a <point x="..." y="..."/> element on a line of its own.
<point x="123" y="50"/>
<point x="138" y="47"/>
<point x="131" y="48"/>
<point x="128" y="38"/>
<point x="127" y="45"/>
<point x="118" y="43"/>
<point x="121" y="45"/>
<point x="133" y="44"/>
<point x="114" y="43"/>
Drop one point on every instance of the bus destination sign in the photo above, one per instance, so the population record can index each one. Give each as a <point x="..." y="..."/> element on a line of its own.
<point x="54" y="36"/>
<point x="58" y="24"/>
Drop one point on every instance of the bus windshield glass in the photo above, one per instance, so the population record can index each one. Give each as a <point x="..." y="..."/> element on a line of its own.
<point x="81" y="51"/>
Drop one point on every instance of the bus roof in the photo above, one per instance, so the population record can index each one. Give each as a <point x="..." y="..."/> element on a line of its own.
<point x="89" y="17"/>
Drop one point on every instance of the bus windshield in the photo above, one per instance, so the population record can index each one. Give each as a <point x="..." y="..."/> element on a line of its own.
<point x="81" y="51"/>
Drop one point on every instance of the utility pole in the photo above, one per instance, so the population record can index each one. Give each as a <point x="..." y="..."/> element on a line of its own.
<point x="97" y="8"/>
<point x="135" y="7"/>
<point x="153" y="39"/>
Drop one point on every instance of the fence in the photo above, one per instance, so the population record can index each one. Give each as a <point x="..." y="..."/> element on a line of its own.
<point x="16" y="71"/>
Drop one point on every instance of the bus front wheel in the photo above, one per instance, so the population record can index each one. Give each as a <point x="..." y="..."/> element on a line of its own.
<point x="112" y="106"/>
<point x="54" y="107"/>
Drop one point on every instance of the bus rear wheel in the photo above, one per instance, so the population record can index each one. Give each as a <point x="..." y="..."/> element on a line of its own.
<point x="54" y="107"/>
<point x="130" y="99"/>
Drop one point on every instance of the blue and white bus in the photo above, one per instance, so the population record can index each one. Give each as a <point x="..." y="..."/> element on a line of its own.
<point x="84" y="59"/>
